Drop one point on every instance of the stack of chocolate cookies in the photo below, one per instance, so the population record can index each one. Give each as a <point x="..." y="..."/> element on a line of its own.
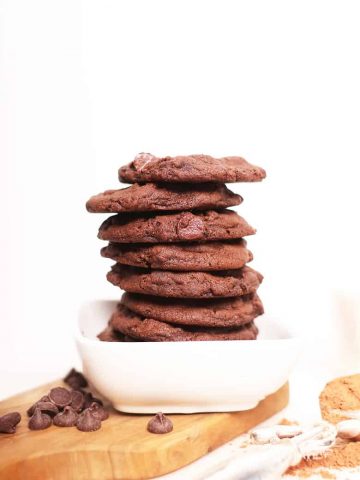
<point x="180" y="253"/>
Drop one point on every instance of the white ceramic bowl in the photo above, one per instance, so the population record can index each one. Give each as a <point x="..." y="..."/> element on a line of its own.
<point x="184" y="377"/>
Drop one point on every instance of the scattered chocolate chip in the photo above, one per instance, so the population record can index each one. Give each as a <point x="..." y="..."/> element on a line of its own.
<point x="67" y="418"/>
<point x="84" y="392"/>
<point x="98" y="411"/>
<point x="60" y="396"/>
<point x="31" y="410"/>
<point x="160" y="424"/>
<point x="9" y="421"/>
<point x="40" y="420"/>
<point x="69" y="408"/>
<point x="77" y="400"/>
<point x="87" y="422"/>
<point x="48" y="407"/>
<point x="75" y="379"/>
<point x="89" y="399"/>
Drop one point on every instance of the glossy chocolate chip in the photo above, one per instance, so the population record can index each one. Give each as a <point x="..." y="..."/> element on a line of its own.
<point x="142" y="159"/>
<point x="75" y="379"/>
<point x="84" y="392"/>
<point x="160" y="424"/>
<point x="89" y="399"/>
<point x="31" y="410"/>
<point x="9" y="421"/>
<point x="40" y="420"/>
<point x="60" y="396"/>
<point x="48" y="407"/>
<point x="67" y="418"/>
<point x="98" y="411"/>
<point x="87" y="422"/>
<point x="77" y="400"/>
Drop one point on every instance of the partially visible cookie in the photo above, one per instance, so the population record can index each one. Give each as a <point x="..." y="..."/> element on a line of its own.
<point x="150" y="330"/>
<point x="111" y="335"/>
<point x="231" y="283"/>
<point x="190" y="168"/>
<point x="221" y="312"/>
<point x="176" y="227"/>
<point x="181" y="256"/>
<point x="153" y="197"/>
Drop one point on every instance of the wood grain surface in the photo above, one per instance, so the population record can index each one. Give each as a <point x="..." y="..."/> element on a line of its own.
<point x="122" y="449"/>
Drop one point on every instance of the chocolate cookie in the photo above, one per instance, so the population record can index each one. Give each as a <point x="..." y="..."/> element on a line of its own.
<point x="220" y="312"/>
<point x="230" y="283"/>
<point x="176" y="227"/>
<point x="150" y="330"/>
<point x="152" y="197"/>
<point x="192" y="168"/>
<point x="182" y="256"/>
<point x="111" y="335"/>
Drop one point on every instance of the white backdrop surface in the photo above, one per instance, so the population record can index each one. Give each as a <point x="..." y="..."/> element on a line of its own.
<point x="87" y="85"/>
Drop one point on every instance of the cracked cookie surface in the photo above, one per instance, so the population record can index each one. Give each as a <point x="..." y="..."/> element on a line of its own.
<point x="177" y="227"/>
<point x="152" y="197"/>
<point x="181" y="256"/>
<point x="231" y="283"/>
<point x="222" y="312"/>
<point x="190" y="168"/>
<point x="148" y="329"/>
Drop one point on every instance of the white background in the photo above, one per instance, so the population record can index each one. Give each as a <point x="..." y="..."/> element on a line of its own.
<point x="87" y="85"/>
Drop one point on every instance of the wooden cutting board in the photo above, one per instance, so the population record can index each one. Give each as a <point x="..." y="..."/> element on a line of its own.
<point x="122" y="449"/>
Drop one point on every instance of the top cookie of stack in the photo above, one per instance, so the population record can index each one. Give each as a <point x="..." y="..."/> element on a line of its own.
<point x="174" y="241"/>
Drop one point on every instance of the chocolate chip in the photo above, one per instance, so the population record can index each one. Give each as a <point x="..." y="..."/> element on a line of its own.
<point x="67" y="418"/>
<point x="84" y="392"/>
<point x="77" y="400"/>
<point x="160" y="424"/>
<point x="190" y="227"/>
<point x="48" y="407"/>
<point x="60" y="396"/>
<point x="89" y="399"/>
<point x="98" y="411"/>
<point x="75" y="379"/>
<point x="40" y="420"/>
<point x="141" y="160"/>
<point x="9" y="421"/>
<point x="31" y="410"/>
<point x="87" y="422"/>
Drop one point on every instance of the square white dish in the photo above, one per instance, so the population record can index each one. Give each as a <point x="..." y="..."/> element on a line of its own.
<point x="184" y="377"/>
